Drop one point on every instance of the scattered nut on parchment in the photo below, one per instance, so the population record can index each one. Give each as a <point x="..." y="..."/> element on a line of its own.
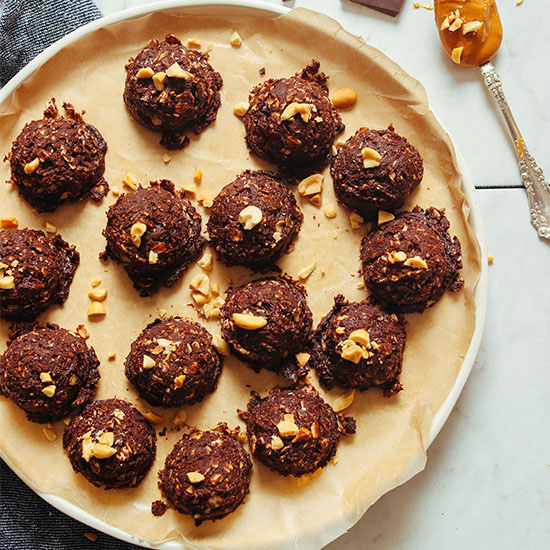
<point x="344" y="98"/>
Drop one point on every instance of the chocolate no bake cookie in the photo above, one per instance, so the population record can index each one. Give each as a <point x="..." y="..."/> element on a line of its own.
<point x="154" y="233"/>
<point x="111" y="444"/>
<point x="47" y="372"/>
<point x="375" y="170"/>
<point x="253" y="220"/>
<point x="292" y="122"/>
<point x="294" y="431"/>
<point x="173" y="90"/>
<point x="173" y="362"/>
<point x="359" y="345"/>
<point x="36" y="272"/>
<point x="267" y="322"/>
<point x="207" y="475"/>
<point x="58" y="159"/>
<point x="411" y="260"/>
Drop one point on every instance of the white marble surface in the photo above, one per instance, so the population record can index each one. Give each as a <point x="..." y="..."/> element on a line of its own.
<point x="487" y="480"/>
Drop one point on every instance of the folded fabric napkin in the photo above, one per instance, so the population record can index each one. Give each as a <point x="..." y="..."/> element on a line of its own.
<point x="26" y="521"/>
<point x="29" y="523"/>
<point x="29" y="26"/>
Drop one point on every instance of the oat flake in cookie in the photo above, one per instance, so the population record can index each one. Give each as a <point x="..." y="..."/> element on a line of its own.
<point x="410" y="261"/>
<point x="359" y="345"/>
<point x="267" y="322"/>
<point x="111" y="444"/>
<point x="154" y="233"/>
<point x="47" y="372"/>
<point x="36" y="272"/>
<point x="294" y="431"/>
<point x="173" y="362"/>
<point x="292" y="122"/>
<point x="58" y="159"/>
<point x="253" y="220"/>
<point x="172" y="90"/>
<point x="207" y="475"/>
<point x="375" y="170"/>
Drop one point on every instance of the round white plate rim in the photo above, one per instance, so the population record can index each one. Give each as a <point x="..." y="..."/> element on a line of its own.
<point x="480" y="293"/>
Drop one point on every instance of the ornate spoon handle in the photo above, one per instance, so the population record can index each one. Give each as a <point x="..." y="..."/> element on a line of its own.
<point x="532" y="178"/>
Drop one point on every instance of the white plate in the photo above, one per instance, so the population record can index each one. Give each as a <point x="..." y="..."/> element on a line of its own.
<point x="235" y="9"/>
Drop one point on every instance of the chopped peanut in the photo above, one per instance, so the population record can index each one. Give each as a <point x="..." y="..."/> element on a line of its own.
<point x="236" y="40"/>
<point x="9" y="223"/>
<point x="248" y="321"/>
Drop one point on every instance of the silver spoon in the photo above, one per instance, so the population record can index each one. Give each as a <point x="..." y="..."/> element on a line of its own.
<point x="532" y="177"/>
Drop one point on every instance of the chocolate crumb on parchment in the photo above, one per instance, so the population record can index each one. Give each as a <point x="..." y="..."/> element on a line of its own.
<point x="158" y="508"/>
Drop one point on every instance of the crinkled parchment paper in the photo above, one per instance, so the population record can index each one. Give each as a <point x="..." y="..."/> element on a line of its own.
<point x="389" y="446"/>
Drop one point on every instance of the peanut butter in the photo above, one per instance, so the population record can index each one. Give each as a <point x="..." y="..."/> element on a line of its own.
<point x="470" y="30"/>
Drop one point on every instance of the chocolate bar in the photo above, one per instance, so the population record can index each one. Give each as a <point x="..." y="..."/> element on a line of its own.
<point x="389" y="7"/>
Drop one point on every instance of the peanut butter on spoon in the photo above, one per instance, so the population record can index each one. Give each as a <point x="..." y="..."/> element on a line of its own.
<point x="470" y="30"/>
<point x="471" y="33"/>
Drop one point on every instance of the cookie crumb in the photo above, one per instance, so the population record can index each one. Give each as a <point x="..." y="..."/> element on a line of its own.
<point x="418" y="5"/>
<point x="236" y="40"/>
<point x="50" y="227"/>
<point x="9" y="223"/>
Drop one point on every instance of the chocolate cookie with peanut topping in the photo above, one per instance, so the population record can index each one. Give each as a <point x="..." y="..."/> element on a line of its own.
<point x="254" y="220"/>
<point x="294" y="431"/>
<point x="173" y="362"/>
<point x="359" y="345"/>
<point x="375" y="170"/>
<point x="47" y="372"/>
<point x="267" y="322"/>
<point x="207" y="475"/>
<point x="173" y="90"/>
<point x="58" y="159"/>
<point x="111" y="444"/>
<point x="154" y="233"/>
<point x="410" y="261"/>
<point x="292" y="122"/>
<point x="36" y="272"/>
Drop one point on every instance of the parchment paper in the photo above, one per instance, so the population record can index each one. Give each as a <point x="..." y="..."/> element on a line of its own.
<point x="389" y="445"/>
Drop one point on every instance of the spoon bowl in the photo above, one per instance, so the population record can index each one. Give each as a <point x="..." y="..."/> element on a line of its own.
<point x="470" y="30"/>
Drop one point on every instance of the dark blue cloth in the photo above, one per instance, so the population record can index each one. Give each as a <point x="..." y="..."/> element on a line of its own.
<point x="29" y="26"/>
<point x="26" y="521"/>
<point x="29" y="523"/>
